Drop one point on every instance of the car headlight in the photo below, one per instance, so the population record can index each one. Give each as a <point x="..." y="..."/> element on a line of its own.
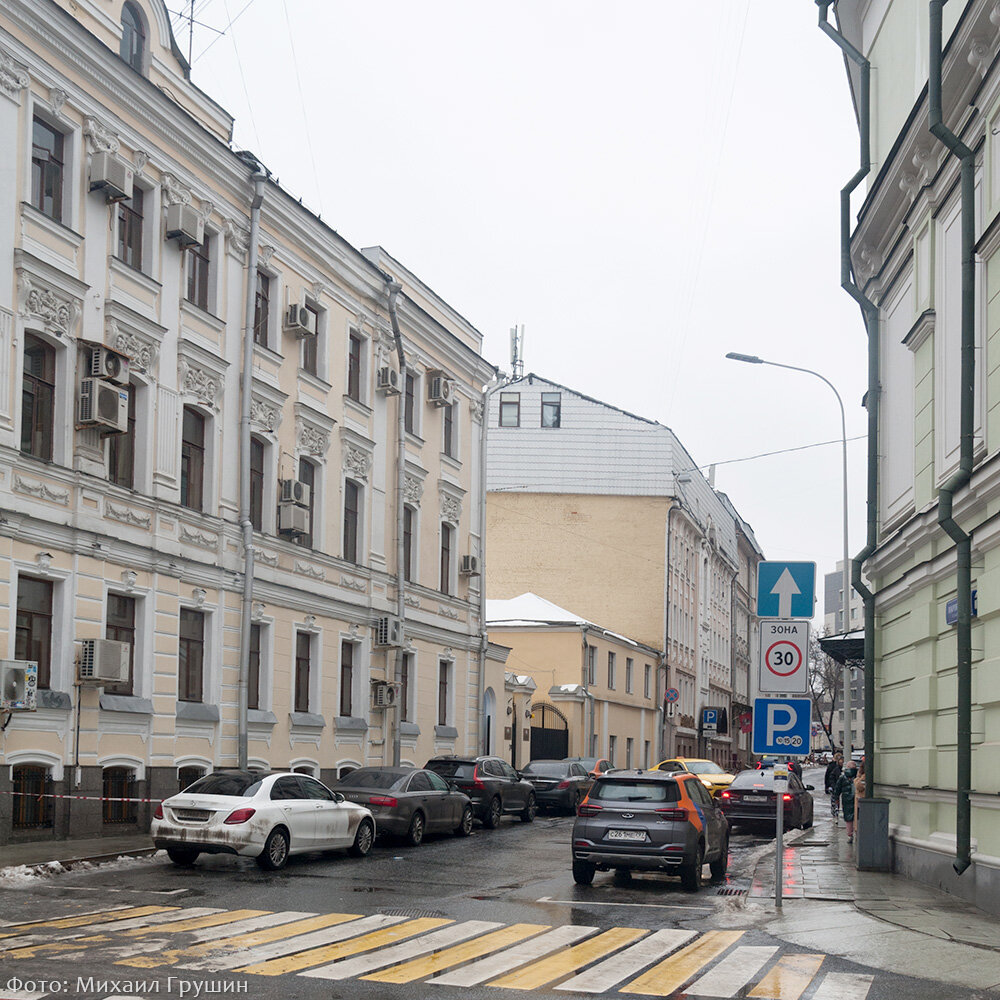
<point x="707" y="784"/>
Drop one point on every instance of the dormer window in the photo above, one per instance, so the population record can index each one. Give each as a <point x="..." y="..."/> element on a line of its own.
<point x="133" y="47"/>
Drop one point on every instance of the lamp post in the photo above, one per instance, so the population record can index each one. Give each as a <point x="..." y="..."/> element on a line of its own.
<point x="751" y="359"/>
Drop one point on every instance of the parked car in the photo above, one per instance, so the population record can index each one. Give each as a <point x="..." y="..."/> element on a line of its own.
<point x="408" y="803"/>
<point x="559" y="784"/>
<point x="712" y="776"/>
<point x="595" y="766"/>
<point x="260" y="815"/>
<point x="652" y="821"/>
<point x="492" y="784"/>
<point x="751" y="798"/>
<point x="770" y="759"/>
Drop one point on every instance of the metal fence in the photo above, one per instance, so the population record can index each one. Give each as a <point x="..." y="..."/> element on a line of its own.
<point x="32" y="810"/>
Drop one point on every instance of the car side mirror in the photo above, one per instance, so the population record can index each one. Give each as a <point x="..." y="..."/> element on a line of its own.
<point x="339" y="797"/>
<point x="809" y="788"/>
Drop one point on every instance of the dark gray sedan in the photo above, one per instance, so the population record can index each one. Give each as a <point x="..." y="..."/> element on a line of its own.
<point x="408" y="803"/>
<point x="559" y="784"/>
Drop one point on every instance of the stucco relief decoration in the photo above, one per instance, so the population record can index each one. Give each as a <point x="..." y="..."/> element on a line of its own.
<point x="175" y="193"/>
<point x="142" y="352"/>
<point x="413" y="490"/>
<point x="199" y="594"/>
<point x="139" y="160"/>
<point x="317" y="288"/>
<point x="207" y="207"/>
<point x="351" y="584"/>
<point x="265" y="557"/>
<point x="910" y="185"/>
<point x="264" y="415"/>
<point x="127" y="516"/>
<point x="13" y="77"/>
<point x="306" y="570"/>
<point x="239" y="238"/>
<point x="205" y="386"/>
<point x="447" y="612"/>
<point x="128" y="580"/>
<point x="866" y="263"/>
<point x="257" y="612"/>
<point x="311" y="622"/>
<point x="43" y="560"/>
<point x="42" y="491"/>
<point x="995" y="14"/>
<point x="57" y="98"/>
<point x="925" y="160"/>
<point x="357" y="462"/>
<point x="411" y="602"/>
<point x="194" y="537"/>
<point x="311" y="440"/>
<point x="100" y="138"/>
<point x="476" y="410"/>
<point x="355" y="630"/>
<point x="451" y="508"/>
<point x="55" y="312"/>
<point x="264" y="253"/>
<point x="980" y="56"/>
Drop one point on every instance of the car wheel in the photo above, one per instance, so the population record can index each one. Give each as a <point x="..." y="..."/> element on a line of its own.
<point x="583" y="872"/>
<point x="275" y="854"/>
<point x="530" y="810"/>
<point x="464" y="828"/>
<point x="363" y="840"/>
<point x="575" y="804"/>
<point x="416" y="832"/>
<point x="720" y="867"/>
<point x="691" y="873"/>
<point x="493" y="813"/>
<point x="182" y="855"/>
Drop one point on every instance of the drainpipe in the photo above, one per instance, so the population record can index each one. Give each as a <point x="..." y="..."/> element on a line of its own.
<point x="664" y="752"/>
<point x="588" y="704"/>
<point x="246" y="526"/>
<point x="946" y="494"/>
<point x="870" y="314"/>
<point x="394" y="289"/>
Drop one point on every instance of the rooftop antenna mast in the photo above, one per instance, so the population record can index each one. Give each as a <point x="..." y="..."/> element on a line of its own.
<point x="517" y="351"/>
<point x="190" y="32"/>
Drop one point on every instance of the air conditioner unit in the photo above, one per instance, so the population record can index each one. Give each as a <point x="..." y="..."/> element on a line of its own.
<point x="112" y="175"/>
<point x="470" y="566"/>
<point x="185" y="225"/>
<point x="293" y="519"/>
<point x="104" y="661"/>
<point x="383" y="694"/>
<point x="388" y="631"/>
<point x="439" y="390"/>
<point x="300" y="321"/>
<point x="101" y="362"/>
<point x="387" y="380"/>
<point x="292" y="491"/>
<point x="103" y="405"/>
<point x="18" y="684"/>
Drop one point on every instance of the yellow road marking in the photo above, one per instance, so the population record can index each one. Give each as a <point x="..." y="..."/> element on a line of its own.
<point x="248" y="940"/>
<point x="417" y="968"/>
<point x="789" y="979"/>
<point x="33" y="950"/>
<point x="211" y="920"/>
<point x="352" y="946"/>
<point x="562" y="963"/>
<point x="101" y="917"/>
<point x="672" y="973"/>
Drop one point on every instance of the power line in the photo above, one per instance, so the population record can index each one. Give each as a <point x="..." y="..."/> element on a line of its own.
<point x="239" y="63"/>
<point x="232" y="21"/>
<point x="768" y="454"/>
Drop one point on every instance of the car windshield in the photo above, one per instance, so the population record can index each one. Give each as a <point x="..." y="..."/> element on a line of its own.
<point x="452" y="768"/>
<point x="623" y="790"/>
<point x="549" y="768"/>
<point x="763" y="779"/>
<point x="371" y="777"/>
<point x="703" y="767"/>
<point x="223" y="784"/>
<point x="588" y="762"/>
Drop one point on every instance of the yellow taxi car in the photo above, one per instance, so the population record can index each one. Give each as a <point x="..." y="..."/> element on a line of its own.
<point x="713" y="777"/>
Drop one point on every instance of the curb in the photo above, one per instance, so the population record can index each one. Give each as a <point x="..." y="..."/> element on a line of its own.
<point x="45" y="867"/>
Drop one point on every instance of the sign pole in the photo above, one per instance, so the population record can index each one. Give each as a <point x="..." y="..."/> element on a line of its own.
<point x="779" y="791"/>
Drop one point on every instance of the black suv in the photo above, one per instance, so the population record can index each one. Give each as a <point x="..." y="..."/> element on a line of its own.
<point x="493" y="785"/>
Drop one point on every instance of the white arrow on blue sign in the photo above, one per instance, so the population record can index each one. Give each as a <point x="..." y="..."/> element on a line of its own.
<point x="782" y="725"/>
<point x="786" y="589"/>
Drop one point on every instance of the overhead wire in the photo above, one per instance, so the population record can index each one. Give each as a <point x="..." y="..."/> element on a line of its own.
<point x="239" y="63"/>
<point x="225" y="30"/>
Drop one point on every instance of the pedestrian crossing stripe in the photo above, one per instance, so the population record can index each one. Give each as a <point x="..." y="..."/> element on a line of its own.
<point x="390" y="948"/>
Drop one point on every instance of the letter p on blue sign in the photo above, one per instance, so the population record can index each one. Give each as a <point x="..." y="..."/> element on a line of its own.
<point x="782" y="726"/>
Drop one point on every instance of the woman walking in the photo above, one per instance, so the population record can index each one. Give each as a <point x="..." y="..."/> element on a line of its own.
<point x="844" y="791"/>
<point x="833" y="770"/>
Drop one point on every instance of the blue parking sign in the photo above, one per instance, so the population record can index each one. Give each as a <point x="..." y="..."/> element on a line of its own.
<point x="782" y="726"/>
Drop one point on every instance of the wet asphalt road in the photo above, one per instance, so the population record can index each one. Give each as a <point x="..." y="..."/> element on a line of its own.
<point x="518" y="873"/>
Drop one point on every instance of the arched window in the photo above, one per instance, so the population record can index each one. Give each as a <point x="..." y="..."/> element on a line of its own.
<point x="133" y="48"/>
<point x="32" y="789"/>
<point x="118" y="792"/>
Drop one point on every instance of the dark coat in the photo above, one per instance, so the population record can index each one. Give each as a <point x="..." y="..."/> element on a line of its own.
<point x="832" y="774"/>
<point x="844" y="788"/>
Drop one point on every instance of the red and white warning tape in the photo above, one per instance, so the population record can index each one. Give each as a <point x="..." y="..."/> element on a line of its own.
<point x="85" y="798"/>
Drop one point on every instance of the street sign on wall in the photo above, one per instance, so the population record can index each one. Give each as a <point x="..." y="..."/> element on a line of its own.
<point x="783" y="664"/>
<point x="709" y="720"/>
<point x="786" y="589"/>
<point x="782" y="725"/>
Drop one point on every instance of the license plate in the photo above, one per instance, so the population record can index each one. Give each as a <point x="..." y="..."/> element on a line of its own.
<point x="754" y="798"/>
<point x="635" y="835"/>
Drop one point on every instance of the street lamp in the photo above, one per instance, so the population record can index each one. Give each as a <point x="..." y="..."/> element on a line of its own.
<point x="751" y="359"/>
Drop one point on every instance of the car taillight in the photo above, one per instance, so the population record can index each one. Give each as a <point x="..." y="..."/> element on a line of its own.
<point x="787" y="797"/>
<point x="476" y="781"/>
<point x="159" y="812"/>
<point x="672" y="814"/>
<point x="586" y="809"/>
<point x="563" y="784"/>
<point x="238" y="816"/>
<point x="383" y="800"/>
<point x="725" y="795"/>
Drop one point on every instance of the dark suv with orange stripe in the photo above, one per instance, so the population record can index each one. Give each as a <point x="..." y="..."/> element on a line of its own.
<point x="650" y="821"/>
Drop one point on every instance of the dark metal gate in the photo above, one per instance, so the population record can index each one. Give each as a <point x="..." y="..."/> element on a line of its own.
<point x="549" y="733"/>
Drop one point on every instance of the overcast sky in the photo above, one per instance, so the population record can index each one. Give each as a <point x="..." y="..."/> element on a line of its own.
<point x="644" y="185"/>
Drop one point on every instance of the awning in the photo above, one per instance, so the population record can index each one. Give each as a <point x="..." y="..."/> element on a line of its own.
<point x="845" y="648"/>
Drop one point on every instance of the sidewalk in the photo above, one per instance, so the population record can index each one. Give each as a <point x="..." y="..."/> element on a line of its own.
<point x="880" y="920"/>
<point x="71" y="852"/>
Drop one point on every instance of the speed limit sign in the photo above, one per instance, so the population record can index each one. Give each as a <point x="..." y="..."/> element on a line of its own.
<point x="784" y="657"/>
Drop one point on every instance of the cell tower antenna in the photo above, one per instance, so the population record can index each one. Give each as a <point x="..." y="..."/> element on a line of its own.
<point x="517" y="351"/>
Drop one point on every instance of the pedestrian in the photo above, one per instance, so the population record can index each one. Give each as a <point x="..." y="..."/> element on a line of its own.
<point x="833" y="770"/>
<point x="844" y="792"/>
<point x="859" y="788"/>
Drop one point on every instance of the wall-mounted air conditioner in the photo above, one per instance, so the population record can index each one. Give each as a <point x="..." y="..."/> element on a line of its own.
<point x="293" y="519"/>
<point x="111" y="175"/>
<point x="101" y="362"/>
<point x="388" y="631"/>
<point x="18" y="684"/>
<point x="469" y="566"/>
<point x="439" y="390"/>
<point x="292" y="491"/>
<point x="300" y="321"/>
<point x="383" y="695"/>
<point x="103" y="405"/>
<point x="185" y="225"/>
<point x="387" y="380"/>
<point x="104" y="661"/>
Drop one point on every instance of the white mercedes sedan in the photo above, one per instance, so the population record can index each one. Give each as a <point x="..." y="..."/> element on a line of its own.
<point x="259" y="815"/>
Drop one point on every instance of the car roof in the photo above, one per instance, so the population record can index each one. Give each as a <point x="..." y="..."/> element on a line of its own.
<point x="642" y="774"/>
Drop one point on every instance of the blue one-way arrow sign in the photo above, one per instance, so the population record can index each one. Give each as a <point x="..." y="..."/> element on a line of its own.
<point x="786" y="589"/>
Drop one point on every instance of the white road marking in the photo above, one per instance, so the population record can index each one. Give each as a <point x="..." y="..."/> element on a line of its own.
<point x="77" y="913"/>
<point x="497" y="965"/>
<point x="626" y="963"/>
<point x="165" y="918"/>
<point x="594" y="902"/>
<point x="292" y="945"/>
<point x="732" y="973"/>
<point x="348" y="968"/>
<point x="843" y="986"/>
